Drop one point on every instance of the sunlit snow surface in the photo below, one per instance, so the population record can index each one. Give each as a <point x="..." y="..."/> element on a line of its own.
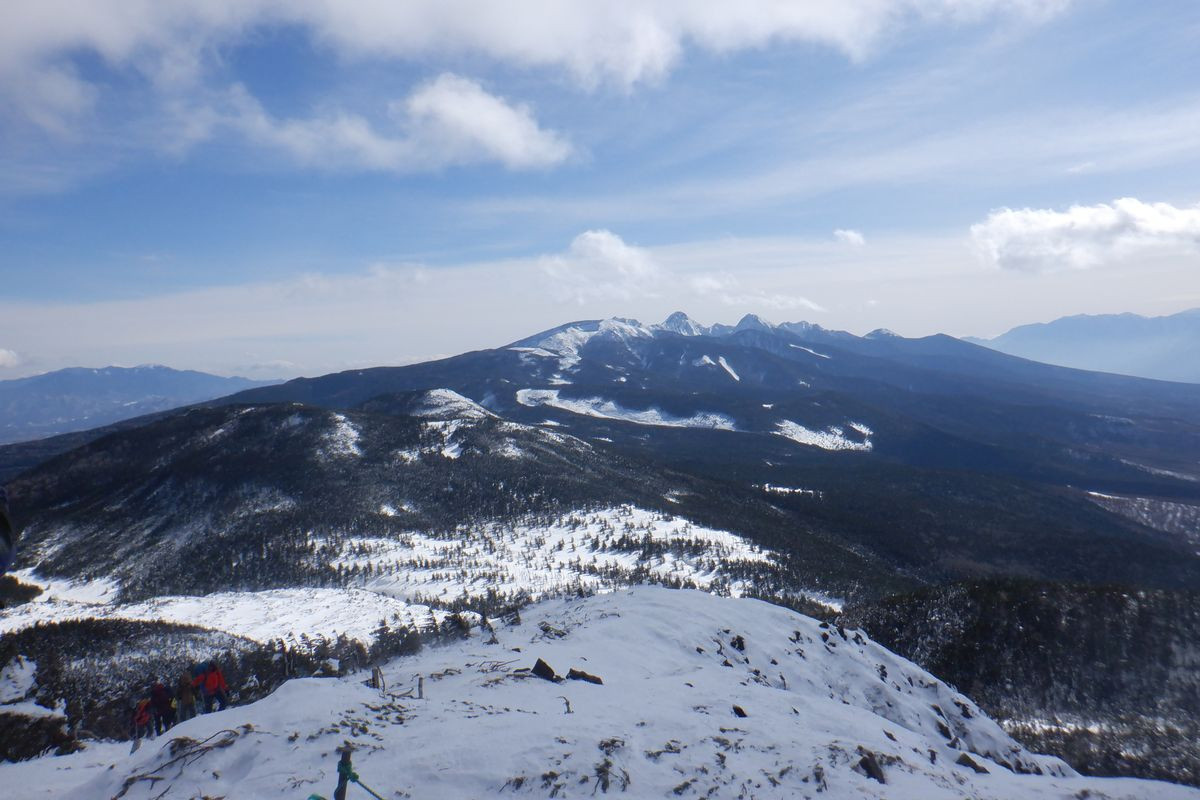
<point x="810" y="351"/>
<point x="17" y="680"/>
<point x="607" y="409"/>
<point x="263" y="616"/>
<point x="674" y="664"/>
<point x="591" y="550"/>
<point x="832" y="438"/>
<point x="594" y="550"/>
<point x="342" y="440"/>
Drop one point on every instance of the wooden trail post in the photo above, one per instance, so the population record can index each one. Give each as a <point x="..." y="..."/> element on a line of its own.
<point x="344" y="772"/>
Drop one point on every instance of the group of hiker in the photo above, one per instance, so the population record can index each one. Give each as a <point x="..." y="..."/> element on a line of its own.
<point x="201" y="689"/>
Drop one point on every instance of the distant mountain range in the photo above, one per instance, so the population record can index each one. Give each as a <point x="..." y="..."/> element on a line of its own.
<point x="80" y="398"/>
<point x="803" y="465"/>
<point x="1164" y="348"/>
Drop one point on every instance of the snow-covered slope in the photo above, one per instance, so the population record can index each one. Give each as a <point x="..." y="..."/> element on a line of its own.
<point x="821" y="709"/>
<point x="409" y="578"/>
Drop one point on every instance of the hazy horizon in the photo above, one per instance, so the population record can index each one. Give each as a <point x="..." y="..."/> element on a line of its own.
<point x="264" y="190"/>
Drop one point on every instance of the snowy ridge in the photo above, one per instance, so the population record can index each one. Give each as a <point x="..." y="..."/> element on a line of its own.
<point x="681" y="324"/>
<point x="823" y="708"/>
<point x="607" y="409"/>
<point x="565" y="342"/>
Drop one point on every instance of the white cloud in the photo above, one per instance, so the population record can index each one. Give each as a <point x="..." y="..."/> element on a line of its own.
<point x="600" y="265"/>
<point x="851" y="237"/>
<point x="1085" y="236"/>
<point x="448" y="121"/>
<point x="623" y="42"/>
<point x="729" y="291"/>
<point x="455" y="121"/>
<point x="9" y="359"/>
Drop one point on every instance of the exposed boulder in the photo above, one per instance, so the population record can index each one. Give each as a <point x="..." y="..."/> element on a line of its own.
<point x="579" y="675"/>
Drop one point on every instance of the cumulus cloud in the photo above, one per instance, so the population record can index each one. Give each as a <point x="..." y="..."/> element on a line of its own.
<point x="623" y="42"/>
<point x="851" y="237"/>
<point x="9" y="359"/>
<point x="456" y="121"/>
<point x="600" y="265"/>
<point x="448" y="121"/>
<point x="1083" y="237"/>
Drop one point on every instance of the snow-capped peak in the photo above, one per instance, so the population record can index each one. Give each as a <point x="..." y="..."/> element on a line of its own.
<point x="565" y="341"/>
<point x="682" y="324"/>
<point x="753" y="322"/>
<point x="882" y="333"/>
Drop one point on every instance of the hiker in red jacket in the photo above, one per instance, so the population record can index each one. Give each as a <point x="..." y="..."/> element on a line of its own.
<point x="163" y="703"/>
<point x="215" y="688"/>
<point x="139" y="722"/>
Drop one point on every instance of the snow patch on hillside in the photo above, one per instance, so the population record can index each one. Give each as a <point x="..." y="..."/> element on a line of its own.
<point x="786" y="490"/>
<point x="817" y="702"/>
<point x="809" y="350"/>
<point x="262" y="616"/>
<point x="446" y="430"/>
<point x="99" y="591"/>
<point x="17" y="680"/>
<point x="725" y="366"/>
<point x="595" y="551"/>
<point x="832" y="438"/>
<point x="446" y="404"/>
<point x="607" y="409"/>
<point x="342" y="440"/>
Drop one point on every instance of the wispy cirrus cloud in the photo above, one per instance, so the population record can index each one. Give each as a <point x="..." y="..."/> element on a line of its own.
<point x="1082" y="237"/>
<point x="732" y="291"/>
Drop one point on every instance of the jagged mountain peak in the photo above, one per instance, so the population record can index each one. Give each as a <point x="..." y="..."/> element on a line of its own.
<point x="753" y="322"/>
<point x="682" y="324"/>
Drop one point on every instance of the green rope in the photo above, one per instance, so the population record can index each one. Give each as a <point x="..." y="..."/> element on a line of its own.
<point x="346" y="770"/>
<point x="369" y="790"/>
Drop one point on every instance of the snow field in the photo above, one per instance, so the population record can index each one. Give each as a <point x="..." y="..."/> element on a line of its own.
<point x="263" y="616"/>
<point x="674" y="664"/>
<point x="586" y="550"/>
<point x="404" y="575"/>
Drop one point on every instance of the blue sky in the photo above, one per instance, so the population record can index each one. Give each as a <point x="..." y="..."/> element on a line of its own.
<point x="266" y="189"/>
